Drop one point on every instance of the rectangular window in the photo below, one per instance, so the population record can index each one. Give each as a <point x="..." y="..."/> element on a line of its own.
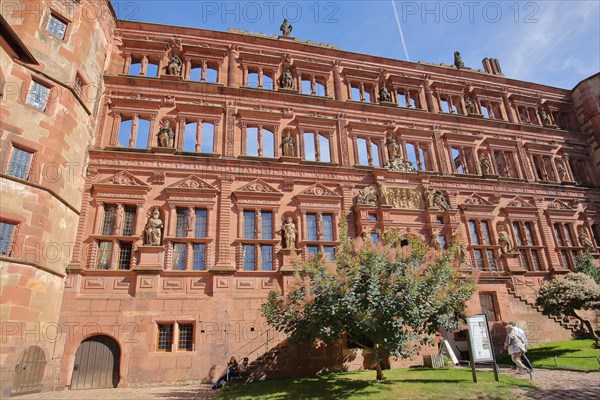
<point x="19" y="165"/>
<point x="479" y="259"/>
<point x="557" y="234"/>
<point x="374" y="237"/>
<point x="249" y="225"/>
<point x="199" y="251"/>
<point x="165" y="337"/>
<point x="125" y="255"/>
<point x="313" y="250"/>
<point x="491" y="258"/>
<point x="535" y="255"/>
<point x="186" y="337"/>
<point x="129" y="221"/>
<point x="473" y="232"/>
<point x="327" y="227"/>
<point x="181" y="225"/>
<point x="311" y="226"/>
<point x="56" y="26"/>
<point x="110" y="213"/>
<point x="179" y="256"/>
<point x="487" y="306"/>
<point x="458" y="162"/>
<point x="249" y="257"/>
<point x="529" y="233"/>
<point x="267" y="225"/>
<point x="485" y="233"/>
<point x="329" y="253"/>
<point x="524" y="259"/>
<point x="518" y="236"/>
<point x="373" y="217"/>
<point x="267" y="257"/>
<point x="104" y="255"/>
<point x="200" y="231"/>
<point x="38" y="95"/>
<point x="6" y="237"/>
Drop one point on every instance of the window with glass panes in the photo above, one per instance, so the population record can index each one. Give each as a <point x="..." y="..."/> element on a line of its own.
<point x="20" y="162"/>
<point x="563" y="234"/>
<point x="327" y="227"/>
<point x="266" y="253"/>
<point x="526" y="243"/>
<point x="104" y="255"/>
<point x="311" y="226"/>
<point x="199" y="250"/>
<point x="110" y="214"/>
<point x="249" y="257"/>
<point x="481" y="242"/>
<point x="186" y="337"/>
<point x="7" y="231"/>
<point x="200" y="230"/>
<point x="124" y="255"/>
<point x="129" y="220"/>
<point x="178" y="261"/>
<point x="38" y="95"/>
<point x="325" y="221"/>
<point x="249" y="224"/>
<point x="181" y="225"/>
<point x="165" y="337"/>
<point x="56" y="26"/>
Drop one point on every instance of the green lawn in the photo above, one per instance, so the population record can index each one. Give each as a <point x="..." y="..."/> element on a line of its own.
<point x="400" y="384"/>
<point x="543" y="356"/>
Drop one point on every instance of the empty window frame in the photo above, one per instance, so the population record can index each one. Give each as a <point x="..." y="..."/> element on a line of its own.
<point x="317" y="147"/>
<point x="481" y="243"/>
<point x="199" y="137"/>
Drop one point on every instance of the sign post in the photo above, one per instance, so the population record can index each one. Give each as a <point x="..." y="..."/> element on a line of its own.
<point x="480" y="344"/>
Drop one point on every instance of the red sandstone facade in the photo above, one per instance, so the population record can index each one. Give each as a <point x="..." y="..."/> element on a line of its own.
<point x="508" y="167"/>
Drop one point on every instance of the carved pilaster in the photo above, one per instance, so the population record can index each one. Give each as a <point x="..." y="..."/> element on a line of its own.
<point x="343" y="135"/>
<point x="224" y="263"/>
<point x="229" y="129"/>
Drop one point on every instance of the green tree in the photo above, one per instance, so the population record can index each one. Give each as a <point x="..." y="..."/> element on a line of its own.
<point x="586" y="263"/>
<point x="383" y="299"/>
<point x="570" y="295"/>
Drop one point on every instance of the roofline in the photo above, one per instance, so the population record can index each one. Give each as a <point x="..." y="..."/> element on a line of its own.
<point x="13" y="40"/>
<point x="597" y="74"/>
<point x="423" y="67"/>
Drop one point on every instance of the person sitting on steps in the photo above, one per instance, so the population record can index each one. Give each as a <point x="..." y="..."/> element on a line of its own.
<point x="231" y="371"/>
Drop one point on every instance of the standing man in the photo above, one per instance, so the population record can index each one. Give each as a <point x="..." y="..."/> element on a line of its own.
<point x="521" y="334"/>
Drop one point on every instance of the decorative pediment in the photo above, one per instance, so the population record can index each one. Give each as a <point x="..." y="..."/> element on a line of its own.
<point x="476" y="199"/>
<point x="121" y="186"/>
<point x="257" y="186"/>
<point x="519" y="202"/>
<point x="557" y="204"/>
<point x="192" y="182"/>
<point x="123" y="178"/>
<point x="319" y="190"/>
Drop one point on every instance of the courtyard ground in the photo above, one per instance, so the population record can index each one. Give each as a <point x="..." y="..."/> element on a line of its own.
<point x="553" y="385"/>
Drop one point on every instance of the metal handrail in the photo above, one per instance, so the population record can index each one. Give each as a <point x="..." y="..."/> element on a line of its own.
<point x="266" y="344"/>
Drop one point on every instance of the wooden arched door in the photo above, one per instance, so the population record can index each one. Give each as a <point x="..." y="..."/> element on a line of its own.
<point x="97" y="363"/>
<point x="29" y="371"/>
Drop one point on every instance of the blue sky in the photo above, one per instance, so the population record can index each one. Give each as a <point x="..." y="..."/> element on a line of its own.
<point x="550" y="42"/>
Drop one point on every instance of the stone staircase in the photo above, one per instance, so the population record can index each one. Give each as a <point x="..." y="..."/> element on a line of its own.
<point x="565" y="321"/>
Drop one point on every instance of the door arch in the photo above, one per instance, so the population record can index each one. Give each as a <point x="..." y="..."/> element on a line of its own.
<point x="97" y="363"/>
<point x="29" y="371"/>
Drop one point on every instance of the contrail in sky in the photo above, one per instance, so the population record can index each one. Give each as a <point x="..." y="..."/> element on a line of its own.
<point x="400" y="29"/>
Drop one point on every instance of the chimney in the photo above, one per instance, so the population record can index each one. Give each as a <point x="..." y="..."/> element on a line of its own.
<point x="492" y="66"/>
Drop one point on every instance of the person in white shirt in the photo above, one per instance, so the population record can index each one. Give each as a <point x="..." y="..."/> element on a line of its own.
<point x="521" y="334"/>
<point x="515" y="348"/>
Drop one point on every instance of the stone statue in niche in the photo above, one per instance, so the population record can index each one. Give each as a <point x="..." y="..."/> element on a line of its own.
<point x="286" y="81"/>
<point x="470" y="106"/>
<point x="174" y="66"/>
<point x="435" y="241"/>
<point x="289" y="233"/>
<point x="440" y="201"/>
<point x="152" y="231"/>
<point x="585" y="241"/>
<point x="562" y="170"/>
<point x="486" y="165"/>
<point x="382" y="194"/>
<point x="545" y="118"/>
<point x="166" y="136"/>
<point x="459" y="254"/>
<point x="392" y="147"/>
<point x="458" y="62"/>
<point x="384" y="95"/>
<point x="286" y="28"/>
<point x="288" y="145"/>
<point x="366" y="197"/>
<point x="504" y="240"/>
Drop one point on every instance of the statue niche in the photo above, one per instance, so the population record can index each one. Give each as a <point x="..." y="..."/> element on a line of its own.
<point x="174" y="66"/>
<point x="166" y="136"/>
<point x="289" y="233"/>
<point x="384" y="95"/>
<point x="286" y="80"/>
<point x="152" y="231"/>
<point x="288" y="145"/>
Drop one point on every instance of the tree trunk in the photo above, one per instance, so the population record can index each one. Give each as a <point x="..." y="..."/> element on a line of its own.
<point x="376" y="353"/>
<point x="590" y="328"/>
